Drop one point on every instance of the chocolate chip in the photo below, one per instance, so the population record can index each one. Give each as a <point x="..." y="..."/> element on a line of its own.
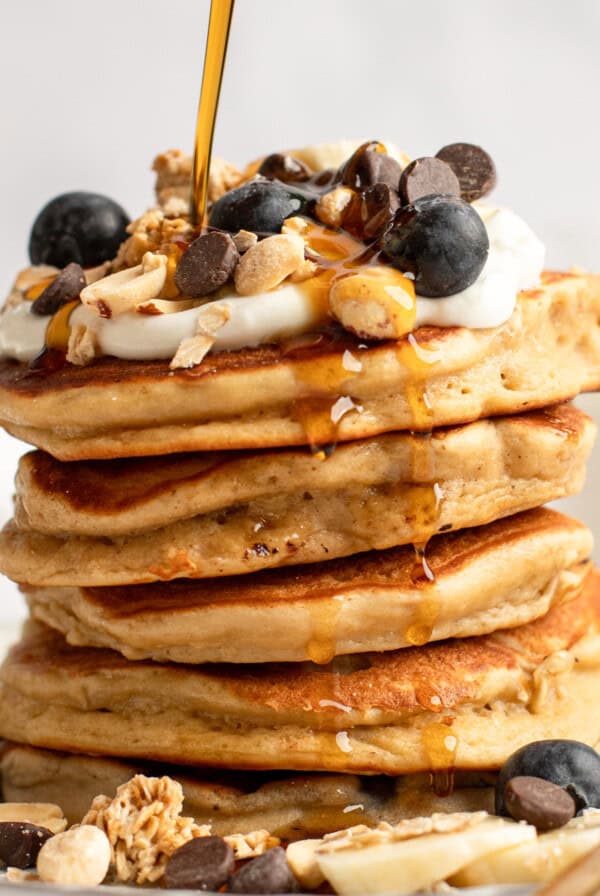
<point x="380" y="204"/>
<point x="204" y="863"/>
<point x="269" y="873"/>
<point x="369" y="166"/>
<point x="284" y="168"/>
<point x="65" y="288"/>
<point x="427" y="177"/>
<point x="207" y="264"/>
<point x="473" y="166"/>
<point x="539" y="802"/>
<point x="21" y="842"/>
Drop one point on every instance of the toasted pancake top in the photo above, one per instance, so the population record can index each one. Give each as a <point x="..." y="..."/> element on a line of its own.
<point x="369" y="689"/>
<point x="396" y="568"/>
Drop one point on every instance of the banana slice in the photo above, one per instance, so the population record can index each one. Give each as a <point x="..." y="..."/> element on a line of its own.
<point x="320" y="156"/>
<point x="537" y="861"/>
<point x="415" y="854"/>
<point x="302" y="859"/>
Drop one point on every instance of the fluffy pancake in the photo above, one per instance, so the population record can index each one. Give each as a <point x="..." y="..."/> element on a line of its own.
<point x="287" y="508"/>
<point x="461" y="703"/>
<point x="496" y="576"/>
<point x="291" y="807"/>
<point x="272" y="396"/>
<point x="129" y="496"/>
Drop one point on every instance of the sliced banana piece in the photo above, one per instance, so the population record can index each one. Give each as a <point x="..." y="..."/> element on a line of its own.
<point x="320" y="156"/>
<point x="415" y="854"/>
<point x="302" y="859"/>
<point x="537" y="861"/>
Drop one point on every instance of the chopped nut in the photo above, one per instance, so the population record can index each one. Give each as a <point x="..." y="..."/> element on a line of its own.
<point x="265" y="265"/>
<point x="144" y="826"/>
<point x="248" y="846"/>
<point x="80" y="856"/>
<point x="45" y="815"/>
<point x="193" y="350"/>
<point x="153" y="232"/>
<point x="20" y="876"/>
<point x="97" y="273"/>
<point x="82" y="346"/>
<point x="33" y="275"/>
<point x="222" y="177"/>
<point x="174" y="206"/>
<point x="244" y="240"/>
<point x="295" y="225"/>
<point x="342" y="406"/>
<point x="305" y="271"/>
<point x="174" y="179"/>
<point x="374" y="303"/>
<point x="124" y="290"/>
<point x="330" y="207"/>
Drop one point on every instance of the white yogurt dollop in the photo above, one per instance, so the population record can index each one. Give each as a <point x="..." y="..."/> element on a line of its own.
<point x="515" y="262"/>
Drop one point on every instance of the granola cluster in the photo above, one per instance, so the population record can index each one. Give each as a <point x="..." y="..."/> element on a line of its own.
<point x="144" y="826"/>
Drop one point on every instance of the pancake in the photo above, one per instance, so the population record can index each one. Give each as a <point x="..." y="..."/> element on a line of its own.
<point x="272" y="396"/>
<point x="461" y="703"/>
<point x="287" y="508"/>
<point x="289" y="806"/>
<point x="497" y="576"/>
<point x="129" y="496"/>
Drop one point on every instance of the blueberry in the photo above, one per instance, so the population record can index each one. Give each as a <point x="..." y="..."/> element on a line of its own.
<point x="568" y="763"/>
<point x="85" y="228"/>
<point x="260" y="206"/>
<point x="441" y="240"/>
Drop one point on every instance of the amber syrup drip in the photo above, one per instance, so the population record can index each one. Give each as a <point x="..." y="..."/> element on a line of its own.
<point x="322" y="646"/>
<point x="424" y="495"/>
<point x="221" y="12"/>
<point x="35" y="291"/>
<point x="336" y="254"/>
<point x="440" y="745"/>
<point x="54" y="354"/>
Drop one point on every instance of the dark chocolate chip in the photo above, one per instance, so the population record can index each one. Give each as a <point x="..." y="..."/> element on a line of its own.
<point x="204" y="863"/>
<point x="21" y="842"/>
<point x="269" y="873"/>
<point x="539" y="802"/>
<point x="473" y="166"/>
<point x="380" y="204"/>
<point x="284" y="168"/>
<point x="65" y="288"/>
<point x="427" y="177"/>
<point x="369" y="166"/>
<point x="207" y="264"/>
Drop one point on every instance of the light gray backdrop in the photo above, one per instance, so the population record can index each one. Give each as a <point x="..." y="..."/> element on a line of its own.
<point x="91" y="90"/>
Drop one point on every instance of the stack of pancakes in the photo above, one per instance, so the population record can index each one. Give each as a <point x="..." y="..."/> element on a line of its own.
<point x="310" y="619"/>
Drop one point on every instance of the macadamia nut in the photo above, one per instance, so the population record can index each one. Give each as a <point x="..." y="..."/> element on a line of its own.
<point x="79" y="856"/>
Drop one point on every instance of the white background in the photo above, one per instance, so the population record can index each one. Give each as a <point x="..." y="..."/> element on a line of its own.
<point x="91" y="90"/>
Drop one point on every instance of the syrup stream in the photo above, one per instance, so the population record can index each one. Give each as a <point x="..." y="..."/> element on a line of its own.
<point x="221" y="12"/>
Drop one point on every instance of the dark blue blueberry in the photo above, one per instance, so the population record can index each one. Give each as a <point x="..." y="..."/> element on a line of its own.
<point x="568" y="763"/>
<point x="80" y="227"/>
<point x="260" y="206"/>
<point x="442" y="241"/>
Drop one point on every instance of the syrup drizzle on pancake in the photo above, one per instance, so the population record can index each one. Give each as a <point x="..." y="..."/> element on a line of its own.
<point x="440" y="746"/>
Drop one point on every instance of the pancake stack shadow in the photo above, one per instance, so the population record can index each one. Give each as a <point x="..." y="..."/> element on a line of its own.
<point x="306" y="638"/>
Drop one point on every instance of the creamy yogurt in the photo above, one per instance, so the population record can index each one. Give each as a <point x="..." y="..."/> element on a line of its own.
<point x="515" y="262"/>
